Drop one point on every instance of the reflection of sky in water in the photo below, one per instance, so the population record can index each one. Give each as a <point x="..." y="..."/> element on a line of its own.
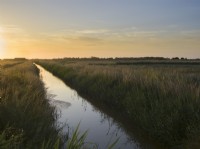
<point x="74" y="109"/>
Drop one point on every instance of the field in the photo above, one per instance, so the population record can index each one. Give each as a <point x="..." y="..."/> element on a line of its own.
<point x="161" y="96"/>
<point x="23" y="121"/>
<point x="27" y="120"/>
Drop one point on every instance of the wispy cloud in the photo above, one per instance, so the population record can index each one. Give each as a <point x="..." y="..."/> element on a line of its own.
<point x="11" y="29"/>
<point x="92" y="31"/>
<point x="190" y="32"/>
<point x="13" y="32"/>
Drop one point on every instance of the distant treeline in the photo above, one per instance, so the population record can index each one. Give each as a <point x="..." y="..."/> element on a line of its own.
<point x="115" y="59"/>
<point x="127" y="58"/>
<point x="16" y="59"/>
<point x="162" y="101"/>
<point x="131" y="61"/>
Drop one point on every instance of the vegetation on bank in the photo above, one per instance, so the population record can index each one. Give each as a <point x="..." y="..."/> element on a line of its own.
<point x="27" y="120"/>
<point x="164" y="100"/>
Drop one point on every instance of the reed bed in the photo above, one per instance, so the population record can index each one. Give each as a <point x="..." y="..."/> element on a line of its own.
<point x="163" y="100"/>
<point x="27" y="120"/>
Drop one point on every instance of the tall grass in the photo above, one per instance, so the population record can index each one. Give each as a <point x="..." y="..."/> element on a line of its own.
<point x="27" y="120"/>
<point x="76" y="141"/>
<point x="164" y="100"/>
<point x="25" y="113"/>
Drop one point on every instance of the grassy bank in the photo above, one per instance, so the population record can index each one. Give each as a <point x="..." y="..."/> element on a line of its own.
<point x="164" y="100"/>
<point x="26" y="118"/>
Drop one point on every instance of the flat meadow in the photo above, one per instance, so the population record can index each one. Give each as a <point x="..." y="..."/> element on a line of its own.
<point x="27" y="120"/>
<point x="23" y="121"/>
<point x="160" y="96"/>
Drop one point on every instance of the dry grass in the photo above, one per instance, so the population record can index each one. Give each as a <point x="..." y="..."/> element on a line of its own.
<point x="163" y="99"/>
<point x="27" y="121"/>
<point x="25" y="114"/>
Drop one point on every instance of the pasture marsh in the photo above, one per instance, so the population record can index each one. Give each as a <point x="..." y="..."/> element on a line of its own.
<point x="26" y="118"/>
<point x="162" y="99"/>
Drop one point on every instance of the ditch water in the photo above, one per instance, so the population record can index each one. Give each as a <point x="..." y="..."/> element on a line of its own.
<point x="102" y="129"/>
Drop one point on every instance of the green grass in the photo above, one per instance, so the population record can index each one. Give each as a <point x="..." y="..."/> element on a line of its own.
<point x="76" y="141"/>
<point x="27" y="120"/>
<point x="25" y="113"/>
<point x="163" y="100"/>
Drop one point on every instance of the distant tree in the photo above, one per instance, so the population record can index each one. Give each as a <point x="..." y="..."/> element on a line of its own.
<point x="175" y="58"/>
<point x="182" y="58"/>
<point x="95" y="58"/>
<point x="20" y="58"/>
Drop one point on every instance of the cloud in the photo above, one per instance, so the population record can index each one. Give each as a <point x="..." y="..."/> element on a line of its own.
<point x="1" y="30"/>
<point x="190" y="33"/>
<point x="14" y="33"/>
<point x="103" y="34"/>
<point x="89" y="39"/>
<point x="11" y="29"/>
<point x="93" y="31"/>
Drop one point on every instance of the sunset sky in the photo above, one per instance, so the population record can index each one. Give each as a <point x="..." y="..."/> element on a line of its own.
<point x="103" y="28"/>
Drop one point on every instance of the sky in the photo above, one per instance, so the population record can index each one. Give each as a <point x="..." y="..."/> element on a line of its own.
<point x="102" y="28"/>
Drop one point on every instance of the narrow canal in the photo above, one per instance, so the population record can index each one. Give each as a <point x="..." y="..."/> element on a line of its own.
<point x="73" y="109"/>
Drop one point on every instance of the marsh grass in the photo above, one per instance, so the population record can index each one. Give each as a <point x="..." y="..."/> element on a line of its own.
<point x="163" y="100"/>
<point x="27" y="120"/>
<point x="24" y="111"/>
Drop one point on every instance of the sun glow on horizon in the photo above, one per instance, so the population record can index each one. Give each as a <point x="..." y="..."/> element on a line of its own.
<point x="80" y="29"/>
